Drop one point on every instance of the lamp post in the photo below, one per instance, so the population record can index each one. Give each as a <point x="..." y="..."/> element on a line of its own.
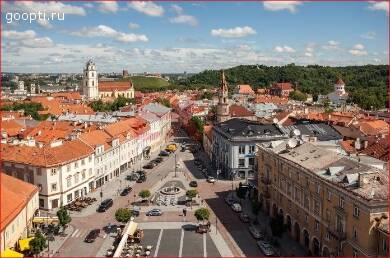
<point x="101" y="194"/>
<point x="175" y="166"/>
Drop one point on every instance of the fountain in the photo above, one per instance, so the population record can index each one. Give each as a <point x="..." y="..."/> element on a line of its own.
<point x="171" y="190"/>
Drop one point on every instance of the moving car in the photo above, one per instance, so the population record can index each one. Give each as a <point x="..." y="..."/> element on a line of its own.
<point x="171" y="147"/>
<point x="193" y="184"/>
<point x="105" y="205"/>
<point x="92" y="235"/>
<point x="255" y="232"/>
<point x="266" y="248"/>
<point x="211" y="179"/>
<point x="236" y="207"/>
<point x="163" y="153"/>
<point x="154" y="212"/>
<point x="126" y="191"/>
<point x="244" y="218"/>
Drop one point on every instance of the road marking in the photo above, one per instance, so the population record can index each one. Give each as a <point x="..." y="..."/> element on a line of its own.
<point x="181" y="243"/>
<point x="158" y="242"/>
<point x="75" y="232"/>
<point x="204" y="246"/>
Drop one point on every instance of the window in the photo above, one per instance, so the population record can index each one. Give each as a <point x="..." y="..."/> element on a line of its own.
<point x="83" y="162"/>
<point x="241" y="162"/>
<point x="297" y="194"/>
<point x="316" y="207"/>
<point x="41" y="203"/>
<point x="241" y="149"/>
<point x="342" y="202"/>
<point x="76" y="194"/>
<point x="355" y="234"/>
<point x="68" y="167"/>
<point x="69" y="198"/>
<point x="89" y="158"/>
<point x="54" y="187"/>
<point x="76" y="178"/>
<point x="385" y="246"/>
<point x="306" y="201"/>
<point x="40" y="187"/>
<point x="306" y="218"/>
<point x="53" y="172"/>
<point x="83" y="175"/>
<point x="318" y="188"/>
<point x="329" y="195"/>
<point x="356" y="211"/>
<point x="76" y="164"/>
<point x="288" y="188"/>
<point x="327" y="214"/>
<point x="39" y="172"/>
<point x="90" y="172"/>
<point x="68" y="182"/>
<point x="251" y="161"/>
<point x="252" y="149"/>
<point x="354" y="253"/>
<point x="317" y="225"/>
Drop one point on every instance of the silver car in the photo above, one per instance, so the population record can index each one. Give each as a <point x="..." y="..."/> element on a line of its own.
<point x="255" y="232"/>
<point x="266" y="248"/>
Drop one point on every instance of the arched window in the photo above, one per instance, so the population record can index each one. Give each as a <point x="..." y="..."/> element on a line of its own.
<point x="93" y="83"/>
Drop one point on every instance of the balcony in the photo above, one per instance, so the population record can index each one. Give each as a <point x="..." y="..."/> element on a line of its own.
<point x="337" y="234"/>
<point x="266" y="181"/>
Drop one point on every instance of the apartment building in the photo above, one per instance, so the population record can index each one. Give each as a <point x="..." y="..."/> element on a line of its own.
<point x="62" y="171"/>
<point x="19" y="202"/>
<point x="164" y="113"/>
<point x="332" y="205"/>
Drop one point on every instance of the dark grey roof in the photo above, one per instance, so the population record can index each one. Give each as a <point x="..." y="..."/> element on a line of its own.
<point x="349" y="132"/>
<point x="243" y="128"/>
<point x="322" y="131"/>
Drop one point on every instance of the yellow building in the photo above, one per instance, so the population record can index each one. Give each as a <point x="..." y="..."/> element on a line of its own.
<point x="331" y="204"/>
<point x="19" y="202"/>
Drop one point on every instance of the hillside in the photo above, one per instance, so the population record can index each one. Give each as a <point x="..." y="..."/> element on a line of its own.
<point x="367" y="84"/>
<point x="143" y="83"/>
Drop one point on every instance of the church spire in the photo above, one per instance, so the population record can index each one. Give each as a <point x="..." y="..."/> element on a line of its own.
<point x="224" y="86"/>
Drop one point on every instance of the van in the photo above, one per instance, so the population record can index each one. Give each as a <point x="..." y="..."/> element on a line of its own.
<point x="105" y="205"/>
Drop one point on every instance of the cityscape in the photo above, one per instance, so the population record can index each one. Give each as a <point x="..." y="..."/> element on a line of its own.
<point x="194" y="129"/>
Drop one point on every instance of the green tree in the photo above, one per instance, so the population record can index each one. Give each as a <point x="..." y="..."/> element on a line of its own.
<point x="123" y="215"/>
<point x="144" y="194"/>
<point x="297" y="95"/>
<point x="63" y="217"/>
<point x="164" y="102"/>
<point x="202" y="214"/>
<point x="207" y="95"/>
<point x="38" y="243"/>
<point x="191" y="194"/>
<point x="199" y="123"/>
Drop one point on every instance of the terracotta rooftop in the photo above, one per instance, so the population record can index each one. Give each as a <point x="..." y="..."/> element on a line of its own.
<point x="340" y="81"/>
<point x="270" y="99"/>
<point x="283" y="86"/>
<point x="348" y="146"/>
<point x="239" y="111"/>
<point x="374" y="127"/>
<point x="70" y="95"/>
<point x="245" y="89"/>
<point x="115" y="85"/>
<point x="11" y="127"/>
<point x="96" y="138"/>
<point x="379" y="149"/>
<point x="15" y="194"/>
<point x="46" y="156"/>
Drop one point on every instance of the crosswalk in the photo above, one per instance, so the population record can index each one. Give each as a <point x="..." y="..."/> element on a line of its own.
<point x="83" y="232"/>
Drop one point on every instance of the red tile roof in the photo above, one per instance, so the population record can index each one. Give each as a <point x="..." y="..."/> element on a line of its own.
<point x="46" y="156"/>
<point x="348" y="146"/>
<point x="115" y="85"/>
<point x="239" y="111"/>
<point x="11" y="127"/>
<point x="379" y="149"/>
<point x="69" y="95"/>
<point x="245" y="89"/>
<point x="374" y="127"/>
<point x="283" y="86"/>
<point x="15" y="195"/>
<point x="340" y="81"/>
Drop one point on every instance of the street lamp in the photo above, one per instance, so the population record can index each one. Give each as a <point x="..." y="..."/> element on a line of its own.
<point x="101" y="193"/>
<point x="175" y="166"/>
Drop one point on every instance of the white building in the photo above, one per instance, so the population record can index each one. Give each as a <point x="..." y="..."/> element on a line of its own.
<point x="89" y="83"/>
<point x="338" y="97"/>
<point x="62" y="171"/>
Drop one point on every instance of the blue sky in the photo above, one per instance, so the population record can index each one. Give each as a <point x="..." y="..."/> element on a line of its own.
<point x="193" y="36"/>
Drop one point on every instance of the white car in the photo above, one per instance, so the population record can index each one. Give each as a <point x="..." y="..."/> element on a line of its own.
<point x="211" y="179"/>
<point x="236" y="207"/>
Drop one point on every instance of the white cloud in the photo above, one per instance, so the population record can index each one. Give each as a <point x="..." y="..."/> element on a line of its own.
<point x="284" y="49"/>
<point x="88" y="5"/>
<point x="177" y="9"/>
<point x="19" y="35"/>
<point x="379" y="6"/>
<point x="108" y="32"/>
<point x="368" y="35"/>
<point x="47" y="7"/>
<point x="184" y="19"/>
<point x="309" y="54"/>
<point x="148" y="8"/>
<point x="39" y="42"/>
<point x="45" y="24"/>
<point x="331" y="45"/>
<point x="358" y="50"/>
<point x="281" y="5"/>
<point x="236" y="32"/>
<point x="27" y="38"/>
<point x="108" y="7"/>
<point x="133" y="25"/>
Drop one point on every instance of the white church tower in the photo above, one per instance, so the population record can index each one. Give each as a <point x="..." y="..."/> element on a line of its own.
<point x="89" y="83"/>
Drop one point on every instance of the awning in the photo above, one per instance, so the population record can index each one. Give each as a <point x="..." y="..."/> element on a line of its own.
<point x="48" y="220"/>
<point x="24" y="244"/>
<point x="132" y="228"/>
<point x="10" y="253"/>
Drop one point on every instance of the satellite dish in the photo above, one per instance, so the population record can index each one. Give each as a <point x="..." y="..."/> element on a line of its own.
<point x="275" y="120"/>
<point x="292" y="143"/>
<point x="296" y="132"/>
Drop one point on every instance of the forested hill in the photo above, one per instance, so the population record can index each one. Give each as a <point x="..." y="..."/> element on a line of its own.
<point x="367" y="84"/>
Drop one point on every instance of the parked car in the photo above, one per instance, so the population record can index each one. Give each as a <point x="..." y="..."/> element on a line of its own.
<point x="163" y="153"/>
<point x="211" y="179"/>
<point x="193" y="184"/>
<point x="105" y="205"/>
<point x="141" y="179"/>
<point x="244" y="218"/>
<point x="150" y="165"/>
<point x="136" y="211"/>
<point x="154" y="212"/>
<point x="255" y="232"/>
<point x="171" y="147"/>
<point x="92" y="235"/>
<point x="140" y="172"/>
<point x="236" y="207"/>
<point x="229" y="200"/>
<point x="158" y="160"/>
<point x="266" y="248"/>
<point x="126" y="191"/>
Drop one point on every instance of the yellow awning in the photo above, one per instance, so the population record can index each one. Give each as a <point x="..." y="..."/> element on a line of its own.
<point x="24" y="244"/>
<point x="132" y="228"/>
<point x="48" y="220"/>
<point x="10" y="253"/>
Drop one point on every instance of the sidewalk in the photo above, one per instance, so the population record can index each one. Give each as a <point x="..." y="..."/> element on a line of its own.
<point x="287" y="245"/>
<point x="55" y="245"/>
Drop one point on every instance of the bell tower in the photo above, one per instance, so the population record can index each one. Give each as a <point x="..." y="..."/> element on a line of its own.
<point x="89" y="83"/>
<point x="223" y="105"/>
